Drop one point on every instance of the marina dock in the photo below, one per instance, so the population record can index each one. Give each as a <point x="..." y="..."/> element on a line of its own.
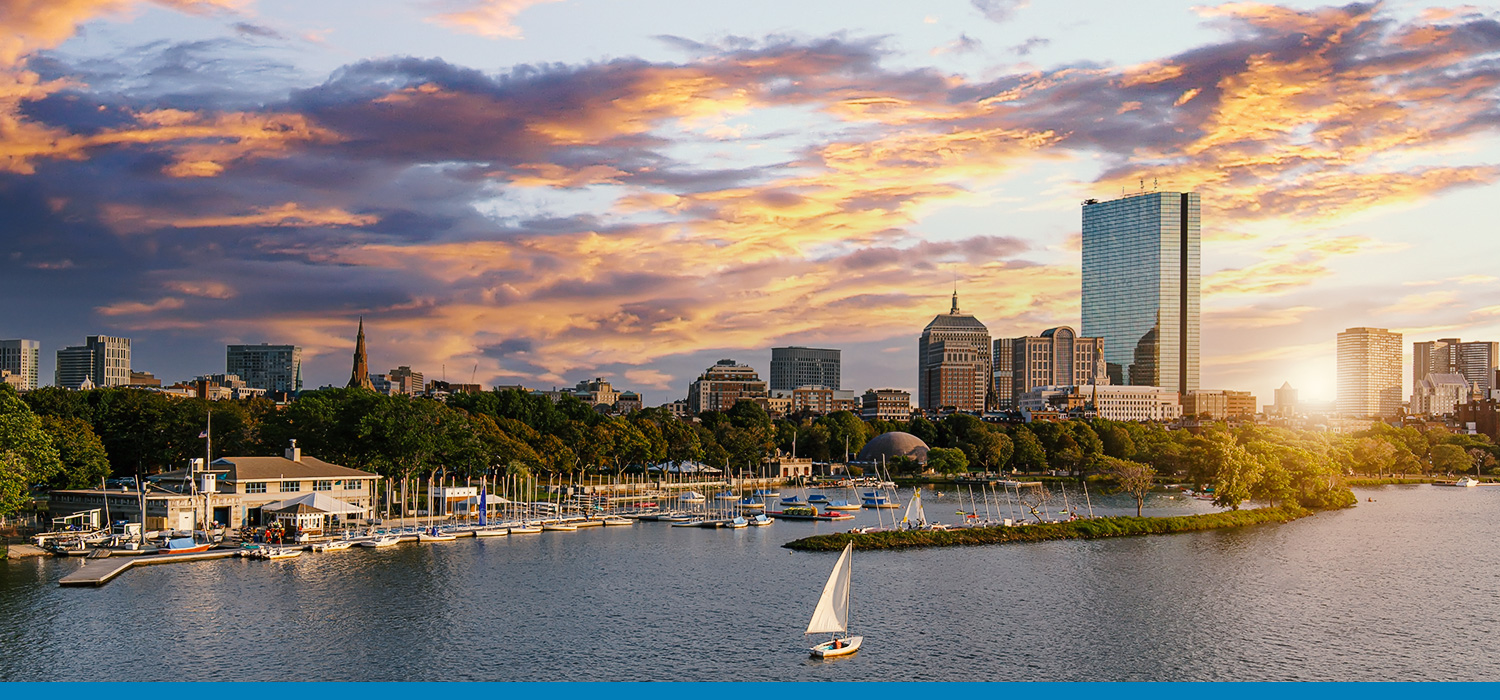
<point x="97" y="572"/>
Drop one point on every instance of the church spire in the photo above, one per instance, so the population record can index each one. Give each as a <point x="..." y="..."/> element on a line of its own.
<point x="955" y="300"/>
<point x="360" y="377"/>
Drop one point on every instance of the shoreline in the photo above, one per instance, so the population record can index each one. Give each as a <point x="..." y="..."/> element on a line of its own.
<point x="1097" y="528"/>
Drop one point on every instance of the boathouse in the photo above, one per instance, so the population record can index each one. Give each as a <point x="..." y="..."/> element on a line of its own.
<point x="261" y="481"/>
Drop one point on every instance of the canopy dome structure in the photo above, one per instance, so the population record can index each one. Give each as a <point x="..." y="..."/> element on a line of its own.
<point x="893" y="444"/>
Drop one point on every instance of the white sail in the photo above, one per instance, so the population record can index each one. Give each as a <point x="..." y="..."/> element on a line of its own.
<point x="914" y="512"/>
<point x="832" y="613"/>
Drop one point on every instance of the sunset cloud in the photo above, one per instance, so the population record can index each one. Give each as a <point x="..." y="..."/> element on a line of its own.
<point x="493" y="19"/>
<point x="547" y="220"/>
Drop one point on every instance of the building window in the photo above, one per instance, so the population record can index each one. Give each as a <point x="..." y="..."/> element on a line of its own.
<point x="322" y="485"/>
<point x="255" y="487"/>
<point x="291" y="486"/>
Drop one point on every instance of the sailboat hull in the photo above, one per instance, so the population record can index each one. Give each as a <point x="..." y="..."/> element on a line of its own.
<point x="826" y="650"/>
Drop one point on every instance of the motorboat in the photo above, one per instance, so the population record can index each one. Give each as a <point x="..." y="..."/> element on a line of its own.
<point x="738" y="522"/>
<point x="185" y="545"/>
<point x="492" y="532"/>
<point x="1466" y="482"/>
<point x="276" y="552"/>
<point x="760" y="520"/>
<point x="615" y="521"/>
<point x="334" y="546"/>
<point x="435" y="535"/>
<point x="527" y="529"/>
<point x="385" y="540"/>
<point x="559" y="527"/>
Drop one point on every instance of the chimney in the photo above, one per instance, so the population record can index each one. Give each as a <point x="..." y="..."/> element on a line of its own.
<point x="294" y="453"/>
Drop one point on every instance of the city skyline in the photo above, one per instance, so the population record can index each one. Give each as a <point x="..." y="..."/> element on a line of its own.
<point x="676" y="187"/>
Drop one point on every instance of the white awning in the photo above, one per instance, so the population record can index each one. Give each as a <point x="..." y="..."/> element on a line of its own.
<point x="321" y="501"/>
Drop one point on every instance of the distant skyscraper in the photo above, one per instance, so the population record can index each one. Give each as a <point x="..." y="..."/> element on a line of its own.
<point x="953" y="363"/>
<point x="1286" y="399"/>
<point x="21" y="357"/>
<point x="275" y="368"/>
<point x="1140" y="287"/>
<point x="796" y="366"/>
<point x="102" y="360"/>
<point x="1057" y="357"/>
<point x="1476" y="361"/>
<point x="1369" y="372"/>
<point x="360" y="376"/>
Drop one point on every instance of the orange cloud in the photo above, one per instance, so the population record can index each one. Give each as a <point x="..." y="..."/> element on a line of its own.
<point x="132" y="308"/>
<point x="492" y="19"/>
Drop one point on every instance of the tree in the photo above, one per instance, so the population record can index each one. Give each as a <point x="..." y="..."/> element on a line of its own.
<point x="1027" y="455"/>
<point x="1373" y="456"/>
<point x="1234" y="471"/>
<point x="1134" y="478"/>
<point x="27" y="456"/>
<point x="988" y="449"/>
<point x="1447" y="459"/>
<point x="81" y="455"/>
<point x="947" y="460"/>
<point x="1115" y="439"/>
<point x="844" y="429"/>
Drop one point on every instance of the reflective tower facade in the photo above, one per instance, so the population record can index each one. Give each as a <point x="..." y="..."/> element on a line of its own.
<point x="1140" y="287"/>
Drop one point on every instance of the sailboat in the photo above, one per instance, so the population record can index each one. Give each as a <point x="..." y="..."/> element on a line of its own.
<point x="832" y="614"/>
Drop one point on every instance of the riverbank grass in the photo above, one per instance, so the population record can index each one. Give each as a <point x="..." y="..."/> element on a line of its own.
<point x="1096" y="528"/>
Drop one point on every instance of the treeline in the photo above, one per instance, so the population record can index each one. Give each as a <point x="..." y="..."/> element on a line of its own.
<point x="64" y="438"/>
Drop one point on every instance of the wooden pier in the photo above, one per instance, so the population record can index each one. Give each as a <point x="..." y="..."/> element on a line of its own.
<point x="97" y="572"/>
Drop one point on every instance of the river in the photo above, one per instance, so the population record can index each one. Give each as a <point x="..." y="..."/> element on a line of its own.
<point x="1398" y="588"/>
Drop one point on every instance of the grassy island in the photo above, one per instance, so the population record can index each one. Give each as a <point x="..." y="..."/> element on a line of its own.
<point x="1096" y="528"/>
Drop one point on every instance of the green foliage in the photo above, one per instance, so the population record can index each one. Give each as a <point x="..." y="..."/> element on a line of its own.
<point x="81" y="455"/>
<point x="1028" y="455"/>
<point x="1134" y="478"/>
<point x="27" y="455"/>
<point x="945" y="460"/>
<point x="1096" y="528"/>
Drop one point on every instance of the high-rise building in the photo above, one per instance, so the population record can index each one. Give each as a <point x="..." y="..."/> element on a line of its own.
<point x="953" y="363"/>
<point x="21" y="357"/>
<point x="1286" y="400"/>
<point x="1140" y="287"/>
<point x="102" y="361"/>
<point x="1369" y="372"/>
<point x="360" y="375"/>
<point x="721" y="385"/>
<point x="1476" y="361"/>
<point x="1057" y="357"/>
<point x="1002" y="374"/>
<point x="796" y="366"/>
<point x="276" y="368"/>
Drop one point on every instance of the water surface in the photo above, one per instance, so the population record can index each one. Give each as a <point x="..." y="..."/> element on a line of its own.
<point x="1401" y="588"/>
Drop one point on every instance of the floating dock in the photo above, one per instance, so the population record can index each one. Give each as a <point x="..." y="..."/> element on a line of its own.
<point x="97" y="572"/>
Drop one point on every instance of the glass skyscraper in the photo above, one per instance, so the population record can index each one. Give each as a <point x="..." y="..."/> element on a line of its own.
<point x="1140" y="287"/>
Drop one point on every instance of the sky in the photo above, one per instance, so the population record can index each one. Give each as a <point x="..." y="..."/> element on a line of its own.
<point x="539" y="192"/>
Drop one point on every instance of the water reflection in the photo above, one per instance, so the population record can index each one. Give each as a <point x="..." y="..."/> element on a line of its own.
<point x="1395" y="589"/>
